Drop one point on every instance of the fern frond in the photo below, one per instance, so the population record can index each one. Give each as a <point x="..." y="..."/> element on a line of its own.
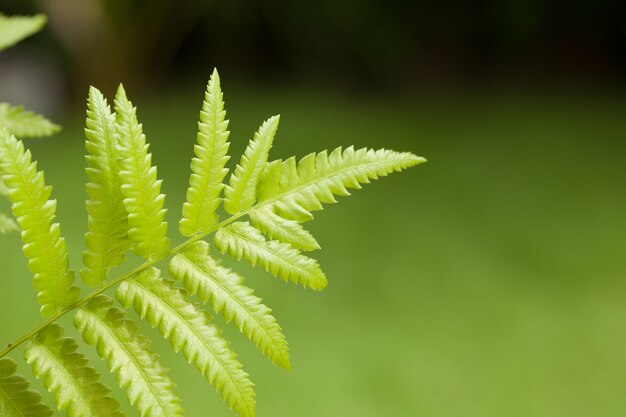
<point x="317" y="178"/>
<point x="240" y="194"/>
<point x="7" y="224"/>
<point x="66" y="373"/>
<point x="141" y="189"/>
<point x="243" y="241"/>
<point x="285" y="230"/>
<point x="15" y="28"/>
<point x="107" y="240"/>
<point x="44" y="247"/>
<point x="16" y="400"/>
<point x="127" y="354"/>
<point x="25" y="124"/>
<point x="203" y="275"/>
<point x="208" y="166"/>
<point x="187" y="329"/>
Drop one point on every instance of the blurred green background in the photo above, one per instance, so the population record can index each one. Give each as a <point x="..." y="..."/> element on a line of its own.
<point x="489" y="282"/>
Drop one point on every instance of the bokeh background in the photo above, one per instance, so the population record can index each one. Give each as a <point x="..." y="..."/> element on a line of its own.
<point x="489" y="282"/>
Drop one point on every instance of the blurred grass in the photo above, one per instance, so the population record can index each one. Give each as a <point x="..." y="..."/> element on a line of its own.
<point x="490" y="281"/>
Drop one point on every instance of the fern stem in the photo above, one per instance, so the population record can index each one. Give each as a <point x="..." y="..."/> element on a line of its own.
<point x="106" y="285"/>
<point x="151" y="262"/>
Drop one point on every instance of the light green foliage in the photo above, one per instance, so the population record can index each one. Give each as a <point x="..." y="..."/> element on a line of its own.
<point x="66" y="373"/>
<point x="240" y="193"/>
<point x="266" y="201"/>
<point x="107" y="238"/>
<point x="188" y="329"/>
<point x="15" y="28"/>
<point x="282" y="229"/>
<point x="242" y="241"/>
<point x="208" y="166"/>
<point x="15" y="119"/>
<point x="141" y="189"/>
<point x="16" y="400"/>
<point x="203" y="275"/>
<point x="25" y="124"/>
<point x="127" y="354"/>
<point x="44" y="247"/>
<point x="304" y="186"/>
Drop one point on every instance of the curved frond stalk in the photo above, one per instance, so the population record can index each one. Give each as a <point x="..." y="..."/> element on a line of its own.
<point x="208" y="166"/>
<point x="317" y="178"/>
<point x="16" y="400"/>
<point x="203" y="275"/>
<point x="243" y="241"/>
<point x="128" y="355"/>
<point x="240" y="194"/>
<point x="15" y="28"/>
<point x="44" y="247"/>
<point x="187" y="328"/>
<point x="67" y="375"/>
<point x="141" y="189"/>
<point x="107" y="239"/>
<point x="25" y="124"/>
<point x="285" y="230"/>
<point x="7" y="224"/>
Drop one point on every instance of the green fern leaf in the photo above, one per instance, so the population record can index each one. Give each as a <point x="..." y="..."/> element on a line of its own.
<point x="66" y="373"/>
<point x="44" y="247"/>
<point x="240" y="194"/>
<point x="317" y="178"/>
<point x="284" y="230"/>
<point x="243" y="241"/>
<point x="141" y="189"/>
<point x="187" y="328"/>
<point x="127" y="354"/>
<point x="25" y="124"/>
<point x="7" y="224"/>
<point x="107" y="239"/>
<point x="16" y="400"/>
<point x="203" y="275"/>
<point x="208" y="167"/>
<point x="15" y="28"/>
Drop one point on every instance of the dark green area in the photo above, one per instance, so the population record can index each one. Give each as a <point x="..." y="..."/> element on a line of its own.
<point x="489" y="282"/>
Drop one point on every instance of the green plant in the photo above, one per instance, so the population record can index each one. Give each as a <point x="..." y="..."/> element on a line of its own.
<point x="15" y="119"/>
<point x="265" y="204"/>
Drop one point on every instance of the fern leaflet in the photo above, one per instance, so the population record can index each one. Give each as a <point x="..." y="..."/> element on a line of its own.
<point x="316" y="178"/>
<point x="43" y="245"/>
<point x="240" y="194"/>
<point x="25" y="124"/>
<point x="284" y="230"/>
<point x="207" y="167"/>
<point x="127" y="354"/>
<point x="65" y="373"/>
<point x="16" y="400"/>
<point x="15" y="28"/>
<point x="141" y="189"/>
<point x="203" y="275"/>
<point x="187" y="329"/>
<point x="243" y="241"/>
<point x="107" y="240"/>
